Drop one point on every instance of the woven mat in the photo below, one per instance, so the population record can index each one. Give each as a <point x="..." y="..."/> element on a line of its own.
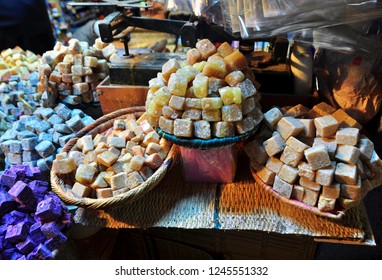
<point x="242" y="205"/>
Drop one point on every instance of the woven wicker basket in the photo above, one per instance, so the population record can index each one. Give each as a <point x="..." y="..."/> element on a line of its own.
<point x="102" y="124"/>
<point x="337" y="213"/>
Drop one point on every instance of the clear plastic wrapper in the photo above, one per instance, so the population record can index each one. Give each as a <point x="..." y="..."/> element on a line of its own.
<point x="216" y="165"/>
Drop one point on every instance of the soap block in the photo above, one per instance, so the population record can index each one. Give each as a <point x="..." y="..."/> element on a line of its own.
<point x="324" y="176"/>
<point x="348" y="154"/>
<point x="234" y="78"/>
<point x="154" y="161"/>
<point x="310" y="197"/>
<point x="192" y="114"/>
<point x="236" y="61"/>
<point x="167" y="125"/>
<point x="317" y="157"/>
<point x="347" y="136"/>
<point x="85" y="173"/>
<point x="306" y="183"/>
<point x="177" y="102"/>
<point x="351" y="191"/>
<point x="215" y="67"/>
<point x="366" y="148"/>
<point x="245" y="125"/>
<point x="256" y="152"/>
<point x="171" y="66"/>
<point x="193" y="103"/>
<point x="282" y="187"/>
<point x="99" y="182"/>
<point x="183" y="128"/>
<point x="223" y="129"/>
<point x="200" y="84"/>
<point x="326" y="126"/>
<point x="288" y="126"/>
<point x="162" y="96"/>
<point x="118" y="181"/>
<point x="345" y="120"/>
<point x="206" y="48"/>
<point x="155" y="84"/>
<point x="138" y="150"/>
<point x="325" y="203"/>
<point x="329" y="144"/>
<point x="291" y="157"/>
<point x="81" y="190"/>
<point x="200" y="65"/>
<point x="171" y="113"/>
<point x="134" y="179"/>
<point x="117" y="142"/>
<point x="64" y="67"/>
<point x="212" y="115"/>
<point x="104" y="193"/>
<point x="107" y="158"/>
<point x="266" y="175"/>
<point x="298" y="192"/>
<point x="64" y="166"/>
<point x="346" y="173"/>
<point x="23" y="194"/>
<point x="232" y="113"/>
<point x="177" y="85"/>
<point x="214" y="84"/>
<point x="90" y="61"/>
<point x="225" y="49"/>
<point x="230" y="95"/>
<point x="16" y="233"/>
<point x="324" y="109"/>
<point x="309" y="128"/>
<point x="296" y="144"/>
<point x="248" y="105"/>
<point x="202" y="129"/>
<point x="193" y="56"/>
<point x="85" y="143"/>
<point x="151" y="137"/>
<point x="274" y="164"/>
<point x="212" y="103"/>
<point x="77" y="70"/>
<point x="48" y="210"/>
<point x="288" y="173"/>
<point x="296" y="111"/>
<point x="80" y="88"/>
<point x="76" y="79"/>
<point x="137" y="162"/>
<point x="248" y="90"/>
<point x="331" y="191"/>
<point x="274" y="145"/>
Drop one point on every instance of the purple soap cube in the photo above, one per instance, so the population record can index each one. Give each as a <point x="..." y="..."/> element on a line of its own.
<point x="17" y="216"/>
<point x="29" y="220"/>
<point x="48" y="210"/>
<point x="26" y="246"/>
<point x="16" y="255"/>
<point x="55" y="243"/>
<point x="7" y="254"/>
<point x="35" y="171"/>
<point x="39" y="189"/>
<point x="41" y="252"/>
<point x="3" y="229"/>
<point x="36" y="234"/>
<point x="50" y="230"/>
<point x="8" y="179"/>
<point x="7" y="203"/>
<point x="23" y="194"/>
<point x="17" y="233"/>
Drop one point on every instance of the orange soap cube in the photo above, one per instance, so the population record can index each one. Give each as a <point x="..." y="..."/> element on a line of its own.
<point x="200" y="85"/>
<point x="225" y="49"/>
<point x="169" y="67"/>
<point x="236" y="61"/>
<point x="193" y="56"/>
<point x="215" y="67"/>
<point x="206" y="48"/>
<point x="234" y="78"/>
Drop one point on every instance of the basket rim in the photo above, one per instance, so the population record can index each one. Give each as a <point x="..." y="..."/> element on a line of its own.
<point x="336" y="215"/>
<point x="206" y="143"/>
<point x="130" y="196"/>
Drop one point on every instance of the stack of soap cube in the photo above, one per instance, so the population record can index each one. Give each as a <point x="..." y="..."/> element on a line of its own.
<point x="33" y="222"/>
<point x="111" y="164"/>
<point x="209" y="95"/>
<point x="322" y="161"/>
<point x="73" y="72"/>
<point x="18" y="62"/>
<point x="34" y="139"/>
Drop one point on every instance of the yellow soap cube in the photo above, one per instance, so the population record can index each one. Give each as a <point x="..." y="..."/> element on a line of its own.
<point x="200" y="65"/>
<point x="200" y="84"/>
<point x="188" y="71"/>
<point x="177" y="84"/>
<point x="230" y="95"/>
<point x="212" y="103"/>
<point x="154" y="109"/>
<point x="215" y="67"/>
<point x="162" y="96"/>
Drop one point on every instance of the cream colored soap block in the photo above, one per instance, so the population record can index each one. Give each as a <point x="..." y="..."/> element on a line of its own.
<point x="117" y="142"/>
<point x="118" y="181"/>
<point x="346" y="173"/>
<point x="177" y="84"/>
<point x="167" y="125"/>
<point x="272" y="117"/>
<point x="134" y="179"/>
<point x="245" y="125"/>
<point x="274" y="145"/>
<point x="107" y="158"/>
<point x="206" y="48"/>
<point x="317" y="157"/>
<point x="171" y="113"/>
<point x="202" y="129"/>
<point x="162" y="96"/>
<point x="85" y="173"/>
<point x="234" y="78"/>
<point x="151" y="137"/>
<point x="288" y="127"/>
<point x="309" y="128"/>
<point x="193" y="56"/>
<point x="194" y="103"/>
<point x="298" y="192"/>
<point x="266" y="175"/>
<point x="291" y="157"/>
<point x="347" y="136"/>
<point x="325" y="203"/>
<point x="348" y="154"/>
<point x="81" y="190"/>
<point x="64" y="166"/>
<point x="274" y="164"/>
<point x="104" y="193"/>
<point x="288" y="173"/>
<point x="282" y="187"/>
<point x="305" y="170"/>
<point x="171" y="66"/>
<point x="352" y="191"/>
<point x="366" y="148"/>
<point x="183" y="128"/>
<point x="324" y="176"/>
<point x="306" y="183"/>
<point x="154" y="161"/>
<point x="296" y="144"/>
<point x="137" y="162"/>
<point x="331" y="191"/>
<point x="232" y="113"/>
<point x="329" y="144"/>
<point x="256" y="152"/>
<point x="326" y="126"/>
<point x="223" y="129"/>
<point x="99" y="182"/>
<point x="310" y="197"/>
<point x="177" y="102"/>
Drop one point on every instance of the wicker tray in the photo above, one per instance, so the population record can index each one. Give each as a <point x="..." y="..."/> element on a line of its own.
<point x="337" y="213"/>
<point x="102" y="124"/>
